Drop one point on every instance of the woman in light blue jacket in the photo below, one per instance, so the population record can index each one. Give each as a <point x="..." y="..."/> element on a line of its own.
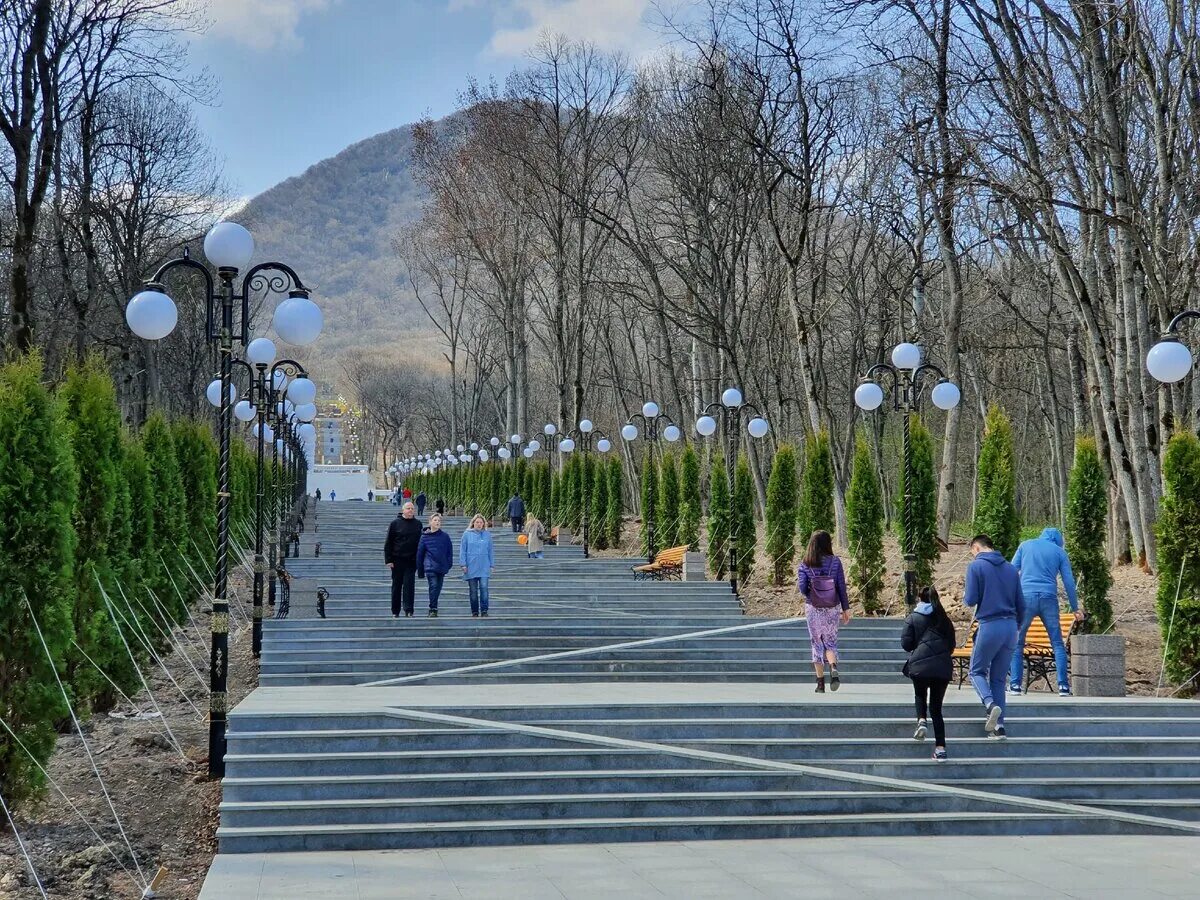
<point x="478" y="560"/>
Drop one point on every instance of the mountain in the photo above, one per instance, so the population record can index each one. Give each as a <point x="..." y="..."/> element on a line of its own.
<point x="334" y="224"/>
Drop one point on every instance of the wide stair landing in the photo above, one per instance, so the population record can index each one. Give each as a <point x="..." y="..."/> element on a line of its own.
<point x="590" y="707"/>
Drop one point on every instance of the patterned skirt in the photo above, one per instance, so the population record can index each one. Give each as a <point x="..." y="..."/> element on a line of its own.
<point x="823" y="630"/>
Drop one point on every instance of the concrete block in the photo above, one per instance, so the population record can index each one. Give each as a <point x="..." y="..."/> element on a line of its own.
<point x="1095" y="686"/>
<point x="1098" y="645"/>
<point x="694" y="567"/>
<point x="1099" y="666"/>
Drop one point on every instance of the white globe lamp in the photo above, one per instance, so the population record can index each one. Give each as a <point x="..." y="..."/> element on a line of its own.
<point x="1169" y="361"/>
<point x="731" y="397"/>
<point x="261" y="351"/>
<point x="298" y="320"/>
<point x="604" y="445"/>
<point x="213" y="392"/>
<point x="706" y="426"/>
<point x="229" y="246"/>
<point x="243" y="411"/>
<point x="758" y="427"/>
<point x="906" y="356"/>
<point x="945" y="395"/>
<point x="302" y="391"/>
<point x="649" y="409"/>
<point x="868" y="396"/>
<point x="629" y="432"/>
<point x="672" y="433"/>
<point x="586" y="426"/>
<point x="151" y="315"/>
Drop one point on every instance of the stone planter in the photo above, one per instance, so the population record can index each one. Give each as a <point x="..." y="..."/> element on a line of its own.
<point x="1098" y="665"/>
<point x="694" y="567"/>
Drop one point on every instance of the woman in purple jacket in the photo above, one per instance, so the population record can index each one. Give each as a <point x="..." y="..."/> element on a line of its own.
<point x="826" y="605"/>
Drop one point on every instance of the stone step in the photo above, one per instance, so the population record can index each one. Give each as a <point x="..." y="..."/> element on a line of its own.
<point x="509" y="675"/>
<point x="999" y="765"/>
<point x="729" y="662"/>
<point x="576" y="781"/>
<point x="497" y="761"/>
<point x="592" y="806"/>
<point x="675" y="828"/>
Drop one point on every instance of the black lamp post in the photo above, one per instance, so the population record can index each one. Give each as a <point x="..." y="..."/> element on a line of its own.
<point x="584" y="436"/>
<point x="652" y="419"/>
<point x="731" y="409"/>
<point x="909" y="377"/>
<point x="152" y="315"/>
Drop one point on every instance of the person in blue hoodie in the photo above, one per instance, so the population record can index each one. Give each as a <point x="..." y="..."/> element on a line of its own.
<point x="435" y="557"/>
<point x="478" y="560"/>
<point x="1041" y="561"/>
<point x="994" y="592"/>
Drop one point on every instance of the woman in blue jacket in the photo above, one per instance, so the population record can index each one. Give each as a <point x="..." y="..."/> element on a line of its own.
<point x="477" y="560"/>
<point x="435" y="557"/>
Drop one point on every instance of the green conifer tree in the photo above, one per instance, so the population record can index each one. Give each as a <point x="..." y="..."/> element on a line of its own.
<point x="1178" y="560"/>
<point x="718" y="519"/>
<point x="1086" y="525"/>
<point x="198" y="462"/>
<point x="171" y="535"/>
<point x="667" y="516"/>
<point x="816" y="490"/>
<point x="94" y="423"/>
<point x="924" y="491"/>
<point x="598" y="510"/>
<point x="781" y="514"/>
<point x="38" y="484"/>
<point x="996" y="498"/>
<point x="743" y="520"/>
<point x="690" y="510"/>
<point x="649" y="499"/>
<point x="546" y="495"/>
<point x="616" y="502"/>
<point x="864" y="528"/>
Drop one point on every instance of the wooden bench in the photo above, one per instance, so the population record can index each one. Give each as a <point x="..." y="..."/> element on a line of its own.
<point x="961" y="657"/>
<point x="667" y="565"/>
<point x="1039" y="654"/>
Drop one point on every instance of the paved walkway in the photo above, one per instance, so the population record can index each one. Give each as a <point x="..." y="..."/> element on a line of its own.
<point x="1128" y="867"/>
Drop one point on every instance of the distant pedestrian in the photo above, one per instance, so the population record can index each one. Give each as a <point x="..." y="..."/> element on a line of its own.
<point x="478" y="560"/>
<point x="1040" y="563"/>
<point x="435" y="557"/>
<point x="516" y="513"/>
<point x="994" y="590"/>
<point x="929" y="638"/>
<point x="370" y="496"/>
<point x="332" y="496"/>
<point x="318" y="495"/>
<point x="400" y="554"/>
<point x="535" y="538"/>
<point x="440" y="506"/>
<point x="822" y="581"/>
<point x="421" y="500"/>
<point x="406" y="494"/>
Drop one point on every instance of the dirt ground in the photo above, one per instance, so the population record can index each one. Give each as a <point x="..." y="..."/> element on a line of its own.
<point x="166" y="804"/>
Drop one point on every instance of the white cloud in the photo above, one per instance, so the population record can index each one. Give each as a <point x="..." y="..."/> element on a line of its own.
<point x="609" y="24"/>
<point x="261" y="24"/>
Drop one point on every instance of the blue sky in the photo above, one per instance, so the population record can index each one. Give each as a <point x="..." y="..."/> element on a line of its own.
<point x="302" y="79"/>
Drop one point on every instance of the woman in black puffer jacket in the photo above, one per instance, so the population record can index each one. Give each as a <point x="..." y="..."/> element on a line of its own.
<point x="929" y="638"/>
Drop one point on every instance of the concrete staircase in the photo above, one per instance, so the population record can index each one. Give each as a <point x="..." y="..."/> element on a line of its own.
<point x="590" y="707"/>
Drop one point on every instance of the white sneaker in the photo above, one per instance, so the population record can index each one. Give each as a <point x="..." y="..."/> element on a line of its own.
<point x="994" y="712"/>
<point x="922" y="730"/>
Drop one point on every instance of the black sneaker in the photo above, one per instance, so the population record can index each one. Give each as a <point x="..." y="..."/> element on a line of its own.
<point x="484" y="613"/>
<point x="820" y="685"/>
<point x="1064" y="692"/>
<point x="474" y="615"/>
<point x="834" y="681"/>
<point x="433" y="614"/>
<point x="999" y="734"/>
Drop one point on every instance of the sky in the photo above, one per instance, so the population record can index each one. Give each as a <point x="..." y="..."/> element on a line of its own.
<point x="300" y="80"/>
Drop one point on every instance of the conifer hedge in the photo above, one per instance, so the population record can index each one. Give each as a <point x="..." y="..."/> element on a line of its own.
<point x="616" y="501"/>
<point x="38" y="485"/>
<point x="743" y="519"/>
<point x="816" y="490"/>
<point x="666" y="523"/>
<point x="864" y="529"/>
<point x="1179" y="559"/>
<point x="718" y="519"/>
<point x="996" y="494"/>
<point x="597" y="480"/>
<point x="781" y="514"/>
<point x="924" y="491"/>
<point x="690" y="506"/>
<point x="649" y="497"/>
<point x="1086" y="526"/>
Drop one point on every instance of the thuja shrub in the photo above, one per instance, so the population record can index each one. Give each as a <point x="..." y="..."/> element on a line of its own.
<point x="38" y="484"/>
<point x="743" y="519"/>
<point x="781" y="514"/>
<point x="597" y="482"/>
<point x="615" y="511"/>
<point x="924" y="494"/>
<point x="1179" y="560"/>
<point x="667" y="519"/>
<point x="718" y="519"/>
<point x="864" y="529"/>
<point x="1086" y="525"/>
<point x="816" y="490"/>
<point x="169" y="505"/>
<point x="690" y="510"/>
<point x="996" y="493"/>
<point x="651" y="544"/>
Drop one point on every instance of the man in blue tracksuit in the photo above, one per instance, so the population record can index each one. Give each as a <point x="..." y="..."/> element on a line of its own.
<point x="1041" y="562"/>
<point x="994" y="590"/>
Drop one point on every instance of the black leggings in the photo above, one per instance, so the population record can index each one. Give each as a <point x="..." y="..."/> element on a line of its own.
<point x="930" y="694"/>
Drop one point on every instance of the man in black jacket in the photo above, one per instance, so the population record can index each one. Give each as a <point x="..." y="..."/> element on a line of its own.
<point x="400" y="554"/>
